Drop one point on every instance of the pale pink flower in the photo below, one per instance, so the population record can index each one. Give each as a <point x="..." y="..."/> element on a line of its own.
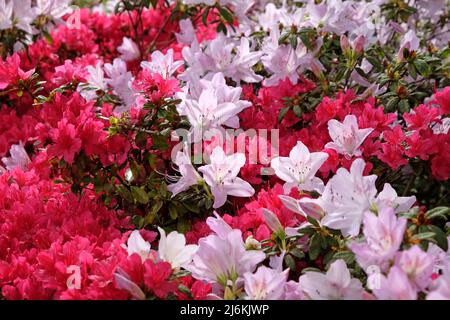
<point x="272" y="221"/>
<point x="395" y="286"/>
<point x="189" y="176"/>
<point x="162" y="63"/>
<point x="6" y="14"/>
<point x="129" y="51"/>
<point x="440" y="288"/>
<point x="388" y="198"/>
<point x="221" y="176"/>
<point x="265" y="284"/>
<point x="418" y="265"/>
<point x="346" y="136"/>
<point x="220" y="259"/>
<point x="123" y="282"/>
<point x="299" y="169"/>
<point x="347" y="196"/>
<point x="383" y="235"/>
<point x="18" y="158"/>
<point x="336" y="284"/>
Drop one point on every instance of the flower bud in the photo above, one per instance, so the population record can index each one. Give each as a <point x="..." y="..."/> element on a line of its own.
<point x="345" y="44"/>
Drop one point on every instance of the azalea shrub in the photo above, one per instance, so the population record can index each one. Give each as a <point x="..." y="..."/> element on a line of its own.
<point x="231" y="149"/>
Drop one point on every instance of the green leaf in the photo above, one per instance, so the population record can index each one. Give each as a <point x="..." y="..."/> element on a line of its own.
<point x="173" y="212"/>
<point x="138" y="221"/>
<point x="185" y="290"/>
<point x="293" y="41"/>
<point x="375" y="63"/>
<point x="141" y="139"/>
<point x="226" y="14"/>
<point x="296" y="252"/>
<point x="440" y="212"/>
<point x="403" y="106"/>
<point x="282" y="113"/>
<point x="140" y="195"/>
<point x="297" y="111"/>
<point x="392" y="104"/>
<point x="283" y="38"/>
<point x="439" y="236"/>
<point x="156" y="207"/>
<point x="309" y="231"/>
<point x="423" y="236"/>
<point x="347" y="256"/>
<point x="290" y="262"/>
<point x="205" y="16"/>
<point x="422" y="67"/>
<point x="315" y="246"/>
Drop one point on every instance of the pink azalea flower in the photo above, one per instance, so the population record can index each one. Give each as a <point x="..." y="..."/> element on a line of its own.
<point x="66" y="143"/>
<point x="11" y="73"/>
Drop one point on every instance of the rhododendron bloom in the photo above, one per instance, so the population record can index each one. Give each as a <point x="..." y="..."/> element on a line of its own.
<point x="336" y="284"/>
<point x="383" y="235"/>
<point x="346" y="136"/>
<point x="221" y="176"/>
<point x="173" y="249"/>
<point x="299" y="169"/>
<point x="265" y="284"/>
<point x="6" y="11"/>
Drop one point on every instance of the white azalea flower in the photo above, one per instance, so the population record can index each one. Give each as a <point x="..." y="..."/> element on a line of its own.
<point x="173" y="249"/>
<point x="137" y="244"/>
